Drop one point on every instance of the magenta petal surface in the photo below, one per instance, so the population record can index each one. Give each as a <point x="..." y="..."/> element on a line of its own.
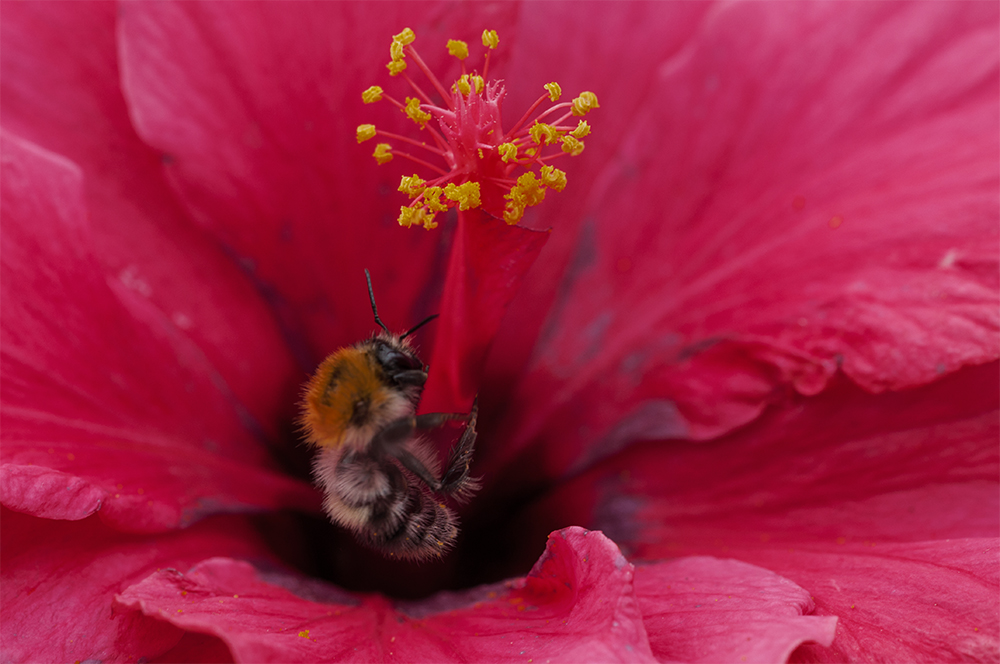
<point x="61" y="89"/>
<point x="883" y="507"/>
<point x="60" y="578"/>
<point x="102" y="408"/>
<point x="488" y="262"/>
<point x="913" y="602"/>
<point x="789" y="202"/>
<point x="702" y="609"/>
<point x="577" y="604"/>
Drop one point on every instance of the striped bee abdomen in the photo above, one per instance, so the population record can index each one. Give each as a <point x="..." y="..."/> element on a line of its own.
<point x="388" y="510"/>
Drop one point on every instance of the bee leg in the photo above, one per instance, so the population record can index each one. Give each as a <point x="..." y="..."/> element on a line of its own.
<point x="390" y="441"/>
<point x="456" y="478"/>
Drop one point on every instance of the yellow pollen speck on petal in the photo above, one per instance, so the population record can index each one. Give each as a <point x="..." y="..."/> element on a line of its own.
<point x="466" y="195"/>
<point x="413" y="185"/>
<point x="366" y="132"/>
<point x="571" y="146"/>
<point x="407" y="36"/>
<point x="554" y="91"/>
<point x="553" y="178"/>
<point x="508" y="151"/>
<point x="582" y="129"/>
<point x="490" y="39"/>
<point x="383" y="153"/>
<point x="432" y="198"/>
<point x="543" y="134"/>
<point x="372" y="95"/>
<point x="458" y="48"/>
<point x="304" y="634"/>
<point x="585" y="102"/>
<point x="412" y="111"/>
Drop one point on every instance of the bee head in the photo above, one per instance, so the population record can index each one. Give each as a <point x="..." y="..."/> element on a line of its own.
<point x="397" y="358"/>
<point x="393" y="353"/>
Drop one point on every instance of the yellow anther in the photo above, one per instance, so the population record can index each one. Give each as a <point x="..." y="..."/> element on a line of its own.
<point x="465" y="82"/>
<point x="409" y="216"/>
<point x="458" y="48"/>
<point x="413" y="186"/>
<point x="585" y="102"/>
<point x="527" y="192"/>
<point x="365" y="132"/>
<point x="466" y="195"/>
<point x="462" y="85"/>
<point x="412" y="111"/>
<point x="372" y="95"/>
<point x="396" y="67"/>
<point x="543" y="134"/>
<point x="383" y="153"/>
<point x="508" y="151"/>
<point x="553" y="178"/>
<point x="582" y="129"/>
<point x="432" y="198"/>
<point x="571" y="146"/>
<point x="405" y="37"/>
<point x="554" y="90"/>
<point x="513" y="213"/>
<point x="490" y="39"/>
<point x="396" y="51"/>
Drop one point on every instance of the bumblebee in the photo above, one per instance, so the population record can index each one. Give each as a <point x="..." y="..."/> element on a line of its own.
<point x="380" y="478"/>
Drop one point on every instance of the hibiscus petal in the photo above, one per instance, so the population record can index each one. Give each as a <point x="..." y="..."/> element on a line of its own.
<point x="832" y="492"/>
<point x="60" y="74"/>
<point x="577" y="604"/>
<point x="708" y="610"/>
<point x="488" y="262"/>
<point x="913" y="602"/>
<point x="101" y="409"/>
<point x="771" y="218"/>
<point x="59" y="579"/>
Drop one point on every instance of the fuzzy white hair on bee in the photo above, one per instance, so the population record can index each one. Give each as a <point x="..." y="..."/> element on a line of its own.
<point x="380" y="479"/>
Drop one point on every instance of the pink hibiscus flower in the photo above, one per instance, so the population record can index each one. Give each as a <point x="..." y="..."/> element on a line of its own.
<point x="757" y="355"/>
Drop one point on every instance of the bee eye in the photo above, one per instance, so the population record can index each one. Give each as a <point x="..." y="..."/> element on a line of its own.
<point x="395" y="362"/>
<point x="405" y="362"/>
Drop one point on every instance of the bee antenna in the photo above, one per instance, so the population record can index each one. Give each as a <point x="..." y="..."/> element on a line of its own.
<point x="371" y="295"/>
<point x="419" y="325"/>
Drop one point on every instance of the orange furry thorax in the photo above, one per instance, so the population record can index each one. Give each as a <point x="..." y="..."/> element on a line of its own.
<point x="346" y="392"/>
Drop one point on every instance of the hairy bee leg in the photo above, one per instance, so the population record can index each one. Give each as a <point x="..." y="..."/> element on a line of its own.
<point x="455" y="479"/>
<point x="390" y="441"/>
